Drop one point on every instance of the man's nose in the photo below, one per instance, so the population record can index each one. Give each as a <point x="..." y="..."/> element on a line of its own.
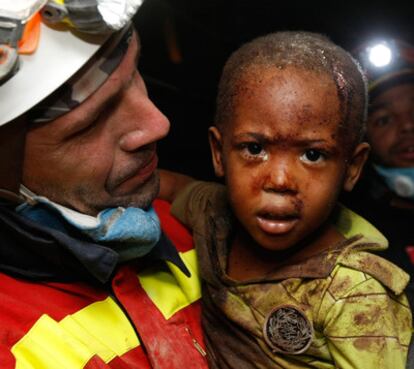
<point x="145" y="123"/>
<point x="407" y="122"/>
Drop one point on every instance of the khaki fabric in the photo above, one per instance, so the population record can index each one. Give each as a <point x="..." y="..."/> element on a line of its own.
<point x="352" y="297"/>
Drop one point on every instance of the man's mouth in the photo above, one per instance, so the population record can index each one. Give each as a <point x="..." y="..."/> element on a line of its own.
<point x="405" y="152"/>
<point x="137" y="177"/>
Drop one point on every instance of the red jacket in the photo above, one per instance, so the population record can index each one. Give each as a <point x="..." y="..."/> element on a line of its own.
<point x="149" y="318"/>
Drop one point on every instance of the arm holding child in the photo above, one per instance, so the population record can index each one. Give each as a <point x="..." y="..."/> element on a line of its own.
<point x="171" y="183"/>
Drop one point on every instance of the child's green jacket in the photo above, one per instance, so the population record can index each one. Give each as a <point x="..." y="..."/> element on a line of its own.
<point x="342" y="308"/>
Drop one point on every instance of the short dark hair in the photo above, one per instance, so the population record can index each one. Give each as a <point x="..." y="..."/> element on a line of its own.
<point x="306" y="50"/>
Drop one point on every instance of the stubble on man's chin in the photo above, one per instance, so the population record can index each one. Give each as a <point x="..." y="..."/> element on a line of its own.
<point x="141" y="198"/>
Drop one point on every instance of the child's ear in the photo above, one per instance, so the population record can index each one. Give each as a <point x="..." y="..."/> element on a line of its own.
<point x="355" y="165"/>
<point x="216" y="146"/>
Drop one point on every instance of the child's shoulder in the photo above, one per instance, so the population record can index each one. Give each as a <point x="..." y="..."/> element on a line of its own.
<point x="360" y="265"/>
<point x="359" y="261"/>
<point x="360" y="281"/>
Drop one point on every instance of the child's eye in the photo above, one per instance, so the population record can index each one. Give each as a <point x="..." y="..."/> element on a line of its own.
<point x="312" y="156"/>
<point x="254" y="148"/>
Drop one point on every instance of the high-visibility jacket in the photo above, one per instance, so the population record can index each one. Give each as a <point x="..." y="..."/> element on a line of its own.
<point x="144" y="318"/>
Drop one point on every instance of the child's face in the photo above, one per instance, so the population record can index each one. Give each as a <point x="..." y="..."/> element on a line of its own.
<point x="281" y="156"/>
<point x="390" y="128"/>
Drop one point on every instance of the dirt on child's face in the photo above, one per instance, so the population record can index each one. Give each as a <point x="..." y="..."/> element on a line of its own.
<point x="283" y="160"/>
<point x="390" y="127"/>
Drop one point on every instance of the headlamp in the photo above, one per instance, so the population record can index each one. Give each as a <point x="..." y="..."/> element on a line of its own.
<point x="91" y="16"/>
<point x="383" y="60"/>
<point x="380" y="55"/>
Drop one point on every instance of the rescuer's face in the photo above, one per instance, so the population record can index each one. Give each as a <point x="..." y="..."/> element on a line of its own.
<point x="103" y="153"/>
<point x="390" y="127"/>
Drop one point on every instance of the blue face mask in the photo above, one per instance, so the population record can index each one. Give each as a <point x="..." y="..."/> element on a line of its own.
<point x="398" y="180"/>
<point x="132" y="232"/>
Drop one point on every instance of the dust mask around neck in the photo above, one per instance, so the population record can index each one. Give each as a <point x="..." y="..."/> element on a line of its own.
<point x="399" y="180"/>
<point x="132" y="232"/>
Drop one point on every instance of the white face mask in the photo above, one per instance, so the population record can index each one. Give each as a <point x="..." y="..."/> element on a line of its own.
<point x="399" y="180"/>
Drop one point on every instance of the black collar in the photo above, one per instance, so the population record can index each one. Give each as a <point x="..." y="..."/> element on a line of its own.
<point x="32" y="251"/>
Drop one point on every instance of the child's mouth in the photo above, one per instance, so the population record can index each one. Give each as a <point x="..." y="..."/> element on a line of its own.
<point x="276" y="224"/>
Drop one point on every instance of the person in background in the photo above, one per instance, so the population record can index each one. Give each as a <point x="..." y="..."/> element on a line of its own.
<point x="89" y="278"/>
<point x="290" y="278"/>
<point x="385" y="193"/>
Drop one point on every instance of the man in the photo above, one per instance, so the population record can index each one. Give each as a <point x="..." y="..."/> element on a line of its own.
<point x="87" y="278"/>
<point x="385" y="195"/>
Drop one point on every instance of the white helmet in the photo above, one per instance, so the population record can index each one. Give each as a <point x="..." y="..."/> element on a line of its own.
<point x="62" y="50"/>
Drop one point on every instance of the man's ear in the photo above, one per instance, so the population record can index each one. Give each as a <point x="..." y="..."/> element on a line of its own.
<point x="355" y="165"/>
<point x="216" y="147"/>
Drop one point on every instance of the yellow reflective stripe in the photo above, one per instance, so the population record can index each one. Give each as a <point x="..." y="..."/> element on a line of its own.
<point x="170" y="290"/>
<point x="104" y="328"/>
<point x="191" y="287"/>
<point x="99" y="329"/>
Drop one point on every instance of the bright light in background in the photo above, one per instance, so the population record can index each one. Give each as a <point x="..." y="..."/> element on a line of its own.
<point x="380" y="55"/>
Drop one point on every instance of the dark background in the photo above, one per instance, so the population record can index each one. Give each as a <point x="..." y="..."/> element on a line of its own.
<point x="185" y="44"/>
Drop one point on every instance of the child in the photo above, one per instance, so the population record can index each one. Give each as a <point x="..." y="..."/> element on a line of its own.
<point x="288" y="279"/>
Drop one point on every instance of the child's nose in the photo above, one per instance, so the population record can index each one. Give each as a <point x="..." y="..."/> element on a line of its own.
<point x="280" y="179"/>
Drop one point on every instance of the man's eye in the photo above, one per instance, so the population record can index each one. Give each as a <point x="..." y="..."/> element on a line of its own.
<point x="254" y="148"/>
<point x="312" y="156"/>
<point x="382" y="121"/>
